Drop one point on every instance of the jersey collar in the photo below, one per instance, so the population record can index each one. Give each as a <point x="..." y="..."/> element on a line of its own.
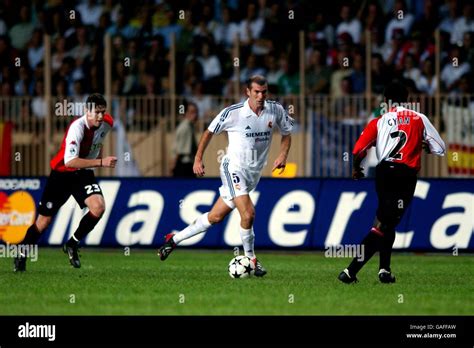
<point x="87" y="124"/>
<point x="248" y="112"/>
<point x="85" y="119"/>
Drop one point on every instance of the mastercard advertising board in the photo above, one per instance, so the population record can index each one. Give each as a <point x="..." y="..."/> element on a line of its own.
<point x="17" y="209"/>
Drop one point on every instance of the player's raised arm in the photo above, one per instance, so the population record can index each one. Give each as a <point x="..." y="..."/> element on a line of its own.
<point x="198" y="167"/>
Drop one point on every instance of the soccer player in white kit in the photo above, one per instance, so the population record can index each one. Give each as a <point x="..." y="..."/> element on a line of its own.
<point x="249" y="126"/>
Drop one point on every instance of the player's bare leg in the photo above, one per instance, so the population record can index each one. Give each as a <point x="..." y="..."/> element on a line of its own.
<point x="31" y="238"/>
<point x="96" y="205"/>
<point x="247" y="216"/>
<point x="218" y="212"/>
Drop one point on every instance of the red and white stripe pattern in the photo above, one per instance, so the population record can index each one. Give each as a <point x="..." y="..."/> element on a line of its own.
<point x="398" y="136"/>
<point x="81" y="141"/>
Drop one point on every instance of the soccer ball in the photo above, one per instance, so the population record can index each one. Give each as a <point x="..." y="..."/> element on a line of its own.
<point x="241" y="267"/>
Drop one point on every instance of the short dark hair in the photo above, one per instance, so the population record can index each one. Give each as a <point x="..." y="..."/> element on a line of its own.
<point x="258" y="79"/>
<point x="96" y="99"/>
<point x="396" y="92"/>
<point x="188" y="103"/>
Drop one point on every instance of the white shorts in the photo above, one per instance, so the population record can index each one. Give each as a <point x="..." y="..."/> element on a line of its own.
<point x="236" y="181"/>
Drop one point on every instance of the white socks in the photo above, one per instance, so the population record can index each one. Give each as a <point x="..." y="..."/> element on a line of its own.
<point x="200" y="225"/>
<point x="248" y="238"/>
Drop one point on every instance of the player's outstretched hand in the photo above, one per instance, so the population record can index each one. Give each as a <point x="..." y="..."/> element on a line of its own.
<point x="357" y="173"/>
<point x="280" y="163"/>
<point x="198" y="168"/>
<point x="109" y="162"/>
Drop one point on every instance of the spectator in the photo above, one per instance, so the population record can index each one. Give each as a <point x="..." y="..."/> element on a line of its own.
<point x="3" y="25"/>
<point x="78" y="70"/>
<point x="192" y="75"/>
<point x="35" y="49"/>
<point x="357" y="78"/>
<point x="468" y="45"/>
<point x="38" y="104"/>
<point x="416" y="47"/>
<point x="343" y="71"/>
<point x="318" y="74"/>
<point x="112" y="9"/>
<point x="78" y="97"/>
<point x="392" y="49"/>
<point x="59" y="53"/>
<point x="251" y="26"/>
<point x="251" y="69"/>
<point x="371" y="17"/>
<point x="427" y="23"/>
<point x="185" y="38"/>
<point x="6" y="53"/>
<point x="463" y="24"/>
<point x="60" y="90"/>
<point x="98" y="34"/>
<point x="64" y="73"/>
<point x="185" y="145"/>
<point x="211" y="68"/>
<point x="320" y="30"/>
<point x="427" y="82"/>
<point x="21" y="33"/>
<point x="349" y="24"/>
<point x="203" y="31"/>
<point x="410" y="70"/>
<point x="454" y="68"/>
<point x="157" y="64"/>
<point x="171" y="28"/>
<point x="269" y="40"/>
<point x="377" y="40"/>
<point x="343" y="104"/>
<point x="225" y="33"/>
<point x="273" y="73"/>
<point x="23" y="82"/>
<point x="90" y="12"/>
<point x="203" y="102"/>
<point x="447" y="24"/>
<point x="122" y="28"/>
<point x="401" y="19"/>
<point x="82" y="49"/>
<point x="381" y="74"/>
<point x="289" y="82"/>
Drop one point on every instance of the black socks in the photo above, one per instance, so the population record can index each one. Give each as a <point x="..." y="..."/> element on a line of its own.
<point x="86" y="225"/>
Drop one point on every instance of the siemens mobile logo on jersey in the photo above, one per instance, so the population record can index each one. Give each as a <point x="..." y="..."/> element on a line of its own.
<point x="258" y="134"/>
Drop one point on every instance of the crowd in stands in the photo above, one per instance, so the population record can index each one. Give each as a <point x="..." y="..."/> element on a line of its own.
<point x="401" y="36"/>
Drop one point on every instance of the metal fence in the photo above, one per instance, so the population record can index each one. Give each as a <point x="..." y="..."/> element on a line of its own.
<point x="143" y="137"/>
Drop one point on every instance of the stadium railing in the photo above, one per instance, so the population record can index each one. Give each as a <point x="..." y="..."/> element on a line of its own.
<point x="325" y="132"/>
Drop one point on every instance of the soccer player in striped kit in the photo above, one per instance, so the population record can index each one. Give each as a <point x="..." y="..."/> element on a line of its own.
<point x="399" y="136"/>
<point x="249" y="126"/>
<point x="72" y="174"/>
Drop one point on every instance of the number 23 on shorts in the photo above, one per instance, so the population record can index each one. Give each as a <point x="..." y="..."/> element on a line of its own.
<point x="92" y="188"/>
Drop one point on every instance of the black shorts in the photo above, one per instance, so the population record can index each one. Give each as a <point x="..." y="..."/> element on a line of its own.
<point x="61" y="185"/>
<point x="395" y="184"/>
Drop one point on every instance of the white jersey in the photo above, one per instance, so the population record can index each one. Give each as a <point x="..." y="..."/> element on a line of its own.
<point x="250" y="136"/>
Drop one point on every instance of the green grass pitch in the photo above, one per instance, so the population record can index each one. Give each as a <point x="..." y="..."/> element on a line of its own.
<point x="196" y="282"/>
